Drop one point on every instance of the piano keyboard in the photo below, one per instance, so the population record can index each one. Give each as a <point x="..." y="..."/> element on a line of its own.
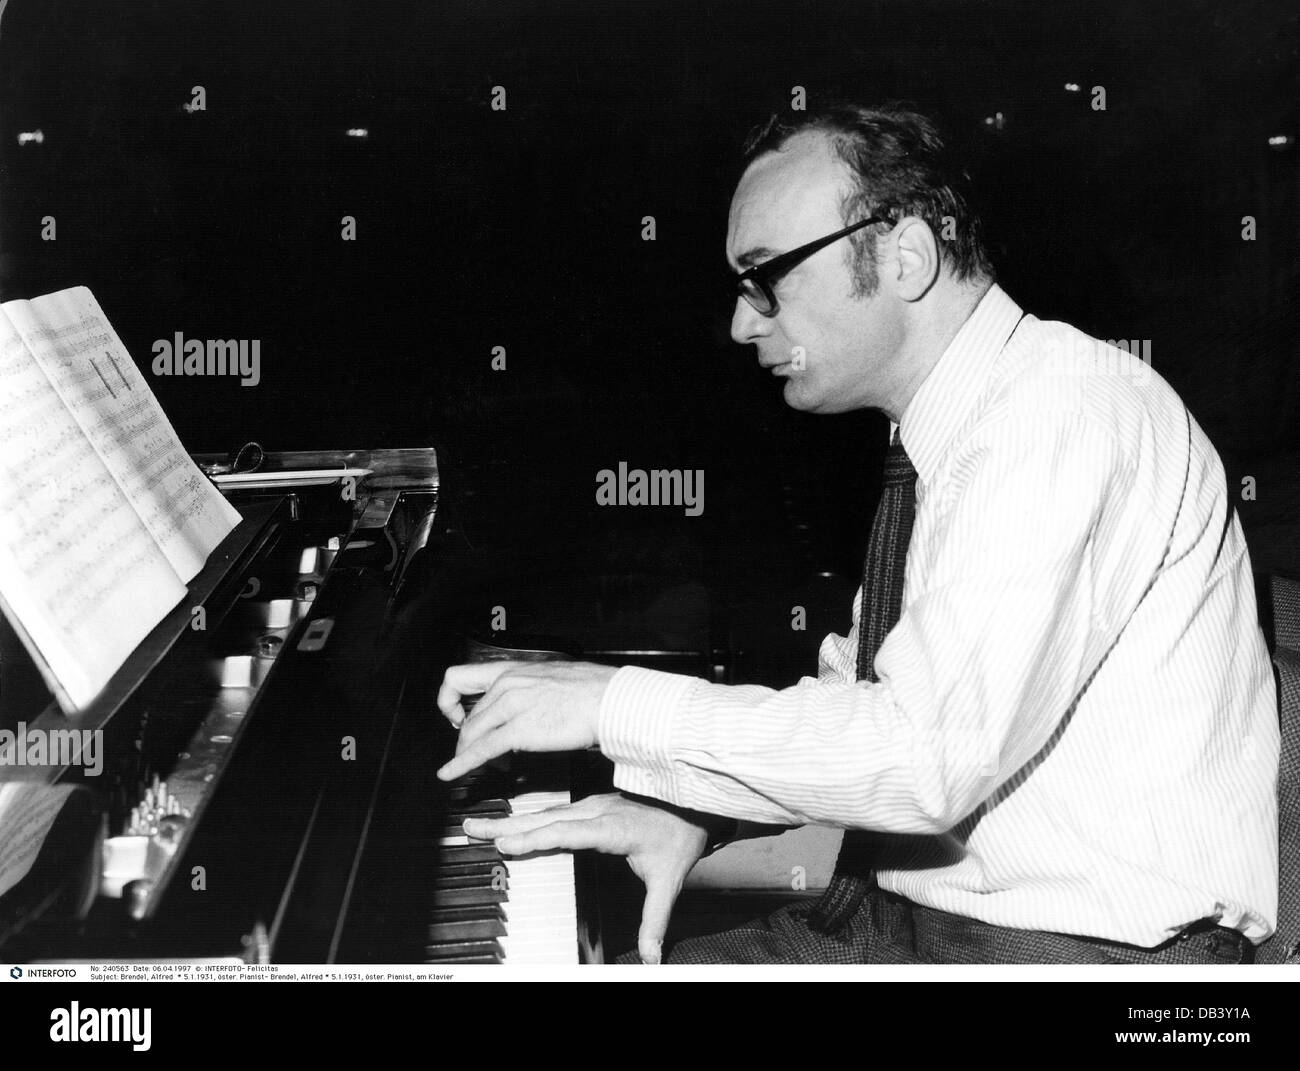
<point x="489" y="908"/>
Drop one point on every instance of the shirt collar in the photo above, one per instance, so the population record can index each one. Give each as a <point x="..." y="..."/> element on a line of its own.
<point x="955" y="384"/>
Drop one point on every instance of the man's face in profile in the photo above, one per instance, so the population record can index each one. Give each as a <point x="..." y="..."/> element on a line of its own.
<point x="834" y="350"/>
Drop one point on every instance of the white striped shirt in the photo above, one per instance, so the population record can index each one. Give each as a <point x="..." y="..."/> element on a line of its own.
<point x="1075" y="711"/>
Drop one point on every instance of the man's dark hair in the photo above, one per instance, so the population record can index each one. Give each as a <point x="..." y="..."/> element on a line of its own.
<point x="900" y="167"/>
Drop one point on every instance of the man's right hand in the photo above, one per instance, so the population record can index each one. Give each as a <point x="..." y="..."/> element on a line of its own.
<point x="660" y="845"/>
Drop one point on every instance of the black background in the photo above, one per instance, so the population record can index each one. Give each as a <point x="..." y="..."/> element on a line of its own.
<point x="478" y="228"/>
<point x="939" y="1016"/>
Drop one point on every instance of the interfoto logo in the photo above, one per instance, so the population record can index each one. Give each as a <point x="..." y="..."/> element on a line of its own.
<point x="76" y="1023"/>
<point x="180" y="356"/>
<point x="658" y="487"/>
<point x="53" y="747"/>
<point x="15" y="972"/>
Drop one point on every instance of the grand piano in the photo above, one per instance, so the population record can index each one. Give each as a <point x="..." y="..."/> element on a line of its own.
<point x="267" y="792"/>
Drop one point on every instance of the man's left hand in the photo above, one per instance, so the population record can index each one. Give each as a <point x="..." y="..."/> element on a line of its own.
<point x="526" y="706"/>
<point x="661" y="845"/>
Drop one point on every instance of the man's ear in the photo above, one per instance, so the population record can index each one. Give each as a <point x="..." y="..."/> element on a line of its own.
<point x="917" y="266"/>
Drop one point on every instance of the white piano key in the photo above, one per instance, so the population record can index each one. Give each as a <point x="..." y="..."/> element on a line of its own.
<point x="541" y="913"/>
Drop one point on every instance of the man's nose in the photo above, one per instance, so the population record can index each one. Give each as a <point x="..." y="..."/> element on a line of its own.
<point x="748" y="324"/>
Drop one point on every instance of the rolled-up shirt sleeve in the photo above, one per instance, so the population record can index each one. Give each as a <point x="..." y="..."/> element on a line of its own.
<point x="992" y="647"/>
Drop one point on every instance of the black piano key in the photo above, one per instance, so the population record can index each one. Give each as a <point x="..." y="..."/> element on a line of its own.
<point x="458" y="830"/>
<point x="467" y="913"/>
<point x="453" y="949"/>
<point x="480" y="809"/>
<point x="454" y="822"/>
<point x="466" y="930"/>
<point x="486" y="805"/>
<point x="483" y="870"/>
<point x="477" y="881"/>
<point x="464" y="793"/>
<point x="484" y="788"/>
<point x="442" y="898"/>
<point x="481" y="852"/>
<point x="494" y="960"/>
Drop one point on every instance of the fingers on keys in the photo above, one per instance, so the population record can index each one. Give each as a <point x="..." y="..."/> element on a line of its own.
<point x="467" y="680"/>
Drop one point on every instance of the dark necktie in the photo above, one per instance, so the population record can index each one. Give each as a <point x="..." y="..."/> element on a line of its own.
<point x="882" y="603"/>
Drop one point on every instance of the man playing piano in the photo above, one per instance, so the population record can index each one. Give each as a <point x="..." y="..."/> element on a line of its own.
<point x="1054" y="736"/>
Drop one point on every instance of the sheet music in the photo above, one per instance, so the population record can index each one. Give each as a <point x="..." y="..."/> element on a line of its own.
<point x="72" y="340"/>
<point x="82" y="578"/>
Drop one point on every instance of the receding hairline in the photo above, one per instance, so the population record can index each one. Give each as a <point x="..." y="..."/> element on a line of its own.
<point x="841" y="178"/>
<point x="828" y="140"/>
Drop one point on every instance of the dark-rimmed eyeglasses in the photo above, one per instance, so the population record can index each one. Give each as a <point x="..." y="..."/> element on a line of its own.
<point x="755" y="284"/>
